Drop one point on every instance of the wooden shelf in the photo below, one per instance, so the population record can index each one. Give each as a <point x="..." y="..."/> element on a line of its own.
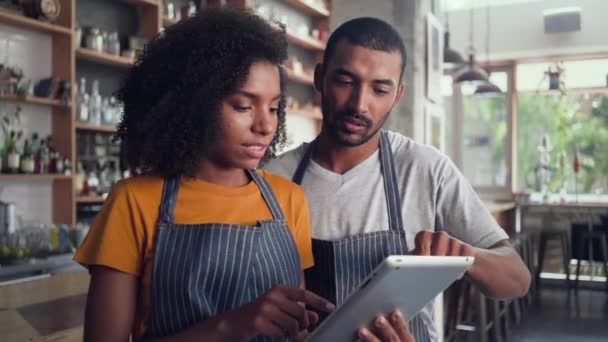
<point x="103" y="58"/>
<point x="168" y="22"/>
<point x="315" y="11"/>
<point x="142" y="2"/>
<point x="42" y="101"/>
<point x="28" y="177"/>
<point x="89" y="199"/>
<point x="300" y="78"/>
<point x="305" y="42"/>
<point x="94" y="128"/>
<point x="311" y="114"/>
<point x="32" y="24"/>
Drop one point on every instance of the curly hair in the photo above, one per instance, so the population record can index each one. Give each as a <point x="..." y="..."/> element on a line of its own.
<point x="173" y="93"/>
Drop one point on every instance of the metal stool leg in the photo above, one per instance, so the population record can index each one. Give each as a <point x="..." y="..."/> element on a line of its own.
<point x="565" y="242"/>
<point x="541" y="258"/>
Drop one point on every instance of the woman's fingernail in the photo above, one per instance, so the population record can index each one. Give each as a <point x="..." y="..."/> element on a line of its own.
<point x="396" y="316"/>
<point x="380" y="321"/>
<point x="362" y="334"/>
<point x="330" y="306"/>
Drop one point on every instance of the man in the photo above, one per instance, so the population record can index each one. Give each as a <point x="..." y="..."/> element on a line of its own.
<point x="374" y="193"/>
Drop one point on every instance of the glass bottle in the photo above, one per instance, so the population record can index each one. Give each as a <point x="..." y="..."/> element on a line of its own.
<point x="43" y="158"/>
<point x="79" y="179"/>
<point x="13" y="158"/>
<point x="27" y="160"/>
<point x="95" y="105"/>
<point x="83" y="102"/>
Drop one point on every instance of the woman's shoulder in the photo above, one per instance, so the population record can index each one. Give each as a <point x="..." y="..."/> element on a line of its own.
<point x="281" y="185"/>
<point x="141" y="186"/>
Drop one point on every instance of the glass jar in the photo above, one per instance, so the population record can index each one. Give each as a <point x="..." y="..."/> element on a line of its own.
<point x="94" y="40"/>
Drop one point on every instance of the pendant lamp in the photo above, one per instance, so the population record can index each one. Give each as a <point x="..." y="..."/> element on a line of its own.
<point x="472" y="74"/>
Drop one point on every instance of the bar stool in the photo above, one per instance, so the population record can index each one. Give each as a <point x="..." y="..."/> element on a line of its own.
<point x="471" y="313"/>
<point x="563" y="237"/>
<point x="588" y="238"/>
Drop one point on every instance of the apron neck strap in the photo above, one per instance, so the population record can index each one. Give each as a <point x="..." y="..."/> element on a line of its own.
<point x="268" y="194"/>
<point x="168" y="199"/>
<point x="391" y="187"/>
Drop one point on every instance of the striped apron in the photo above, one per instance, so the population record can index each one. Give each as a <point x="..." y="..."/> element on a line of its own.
<point x="341" y="265"/>
<point x="203" y="270"/>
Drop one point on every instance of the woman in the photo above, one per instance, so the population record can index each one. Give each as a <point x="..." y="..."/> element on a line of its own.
<point x="197" y="246"/>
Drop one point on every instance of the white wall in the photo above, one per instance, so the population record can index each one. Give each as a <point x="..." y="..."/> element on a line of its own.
<point x="518" y="30"/>
<point x="32" y="52"/>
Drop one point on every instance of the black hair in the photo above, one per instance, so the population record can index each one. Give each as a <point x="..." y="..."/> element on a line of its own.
<point x="173" y="93"/>
<point x="370" y="33"/>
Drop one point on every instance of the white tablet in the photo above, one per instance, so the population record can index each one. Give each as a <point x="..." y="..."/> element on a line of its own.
<point x="400" y="281"/>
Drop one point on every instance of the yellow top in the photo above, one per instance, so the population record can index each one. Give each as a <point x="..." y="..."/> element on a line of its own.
<point x="123" y="234"/>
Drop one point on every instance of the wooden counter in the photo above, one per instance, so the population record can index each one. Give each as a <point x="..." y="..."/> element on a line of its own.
<point x="504" y="214"/>
<point x="49" y="309"/>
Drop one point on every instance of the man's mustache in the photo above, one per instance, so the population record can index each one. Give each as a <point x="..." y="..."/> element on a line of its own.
<point x="357" y="116"/>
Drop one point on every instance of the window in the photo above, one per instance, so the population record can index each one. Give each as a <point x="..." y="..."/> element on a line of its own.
<point x="479" y="134"/>
<point x="574" y="118"/>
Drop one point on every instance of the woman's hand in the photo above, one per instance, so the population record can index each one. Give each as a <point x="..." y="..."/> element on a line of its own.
<point x="277" y="313"/>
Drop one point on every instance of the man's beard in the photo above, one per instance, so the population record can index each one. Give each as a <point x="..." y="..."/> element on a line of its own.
<point x="337" y="134"/>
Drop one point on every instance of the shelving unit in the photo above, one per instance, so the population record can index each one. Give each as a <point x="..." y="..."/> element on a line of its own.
<point x="90" y="199"/>
<point x="94" y="128"/>
<point x="21" y="21"/>
<point x="30" y="177"/>
<point x="309" y="9"/>
<point x="64" y="54"/>
<point x="305" y="42"/>
<point x="103" y="58"/>
<point x="33" y="100"/>
<point x="315" y="115"/>
<point x="300" y="78"/>
<point x="152" y="3"/>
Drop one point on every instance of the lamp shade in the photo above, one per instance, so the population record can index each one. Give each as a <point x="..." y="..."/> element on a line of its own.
<point x="487" y="89"/>
<point x="452" y="60"/>
<point x="471" y="74"/>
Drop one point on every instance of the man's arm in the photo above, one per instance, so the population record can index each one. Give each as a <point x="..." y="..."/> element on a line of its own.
<point x="498" y="271"/>
<point x="513" y="279"/>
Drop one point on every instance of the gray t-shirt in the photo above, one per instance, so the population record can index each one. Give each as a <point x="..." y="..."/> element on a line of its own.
<point x="434" y="196"/>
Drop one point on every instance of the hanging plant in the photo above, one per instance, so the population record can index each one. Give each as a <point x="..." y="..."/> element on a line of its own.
<point x="554" y="74"/>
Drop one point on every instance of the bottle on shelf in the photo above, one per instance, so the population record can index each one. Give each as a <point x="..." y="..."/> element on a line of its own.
<point x="35" y="145"/>
<point x="83" y="102"/>
<point x="13" y="157"/>
<point x="27" y="159"/>
<point x="52" y="165"/>
<point x="107" y="113"/>
<point x="95" y="105"/>
<point x="67" y="166"/>
<point x="59" y="166"/>
<point x="92" y="182"/>
<point x="79" y="180"/>
<point x="114" y="172"/>
<point x="104" y="179"/>
<point x="43" y="158"/>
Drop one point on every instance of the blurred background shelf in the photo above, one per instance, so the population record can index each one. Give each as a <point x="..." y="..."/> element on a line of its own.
<point x="32" y="24"/>
<point x="312" y="10"/>
<point x="103" y="58"/>
<point x="34" y="100"/>
<point x="95" y="128"/>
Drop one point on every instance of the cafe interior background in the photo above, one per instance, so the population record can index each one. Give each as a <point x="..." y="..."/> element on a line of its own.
<point x="514" y="91"/>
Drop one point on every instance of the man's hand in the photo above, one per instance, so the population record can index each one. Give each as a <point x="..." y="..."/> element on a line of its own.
<point x="441" y="244"/>
<point x="393" y="327"/>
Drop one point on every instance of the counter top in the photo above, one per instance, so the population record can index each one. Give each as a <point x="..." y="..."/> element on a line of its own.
<point x="48" y="309"/>
<point x="498" y="207"/>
